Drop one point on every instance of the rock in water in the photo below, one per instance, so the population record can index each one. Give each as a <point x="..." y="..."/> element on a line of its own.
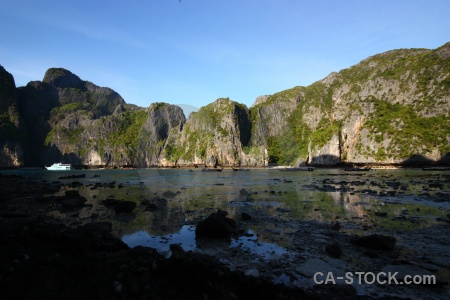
<point x="376" y="241"/>
<point x="217" y="225"/>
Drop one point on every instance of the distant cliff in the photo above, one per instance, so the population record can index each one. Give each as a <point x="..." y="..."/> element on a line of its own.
<point x="390" y="108"/>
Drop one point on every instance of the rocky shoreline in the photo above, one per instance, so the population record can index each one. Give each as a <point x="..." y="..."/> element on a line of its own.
<point x="43" y="259"/>
<point x="426" y="165"/>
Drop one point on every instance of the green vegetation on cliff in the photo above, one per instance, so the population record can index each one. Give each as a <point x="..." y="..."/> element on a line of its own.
<point x="402" y="97"/>
<point x="407" y="131"/>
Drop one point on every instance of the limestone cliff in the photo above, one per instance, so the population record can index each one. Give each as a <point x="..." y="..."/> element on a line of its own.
<point x="164" y="121"/>
<point x="390" y="108"/>
<point x="216" y="135"/>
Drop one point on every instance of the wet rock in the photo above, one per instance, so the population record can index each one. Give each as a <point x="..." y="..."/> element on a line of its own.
<point x="217" y="225"/>
<point x="375" y="241"/>
<point x="334" y="250"/>
<point x="120" y="206"/>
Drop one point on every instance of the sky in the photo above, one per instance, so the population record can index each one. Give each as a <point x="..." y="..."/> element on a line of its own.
<point x="193" y="52"/>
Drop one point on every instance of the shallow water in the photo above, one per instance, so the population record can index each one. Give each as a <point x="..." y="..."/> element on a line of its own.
<point x="410" y="199"/>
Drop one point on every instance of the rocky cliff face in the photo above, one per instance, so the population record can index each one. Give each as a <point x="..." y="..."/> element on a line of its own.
<point x="217" y="134"/>
<point x="164" y="123"/>
<point x="390" y="108"/>
<point x="12" y="133"/>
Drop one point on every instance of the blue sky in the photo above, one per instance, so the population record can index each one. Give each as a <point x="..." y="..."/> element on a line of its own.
<point x="195" y="51"/>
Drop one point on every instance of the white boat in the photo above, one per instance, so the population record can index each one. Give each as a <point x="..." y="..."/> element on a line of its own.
<point x="59" y="167"/>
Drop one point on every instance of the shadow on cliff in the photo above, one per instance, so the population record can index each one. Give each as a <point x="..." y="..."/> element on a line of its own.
<point x="445" y="160"/>
<point x="416" y="160"/>
<point x="52" y="154"/>
<point x="36" y="100"/>
<point x="324" y="160"/>
<point x="419" y="160"/>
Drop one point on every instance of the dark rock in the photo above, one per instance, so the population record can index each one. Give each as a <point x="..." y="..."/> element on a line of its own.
<point x="145" y="202"/>
<point x="380" y="214"/>
<point x="169" y="194"/>
<point x="177" y="251"/>
<point x="151" y="207"/>
<point x="120" y="206"/>
<point x="439" y="219"/>
<point x="98" y="227"/>
<point x="243" y="195"/>
<point x="73" y="176"/>
<point x="336" y="226"/>
<point x="70" y="201"/>
<point x="72" y="193"/>
<point x="334" y="250"/>
<point x="375" y="241"/>
<point x="246" y="217"/>
<point x="217" y="225"/>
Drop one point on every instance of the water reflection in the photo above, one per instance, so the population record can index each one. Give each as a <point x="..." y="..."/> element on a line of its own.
<point x="394" y="199"/>
<point x="265" y="250"/>
<point x="186" y="239"/>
